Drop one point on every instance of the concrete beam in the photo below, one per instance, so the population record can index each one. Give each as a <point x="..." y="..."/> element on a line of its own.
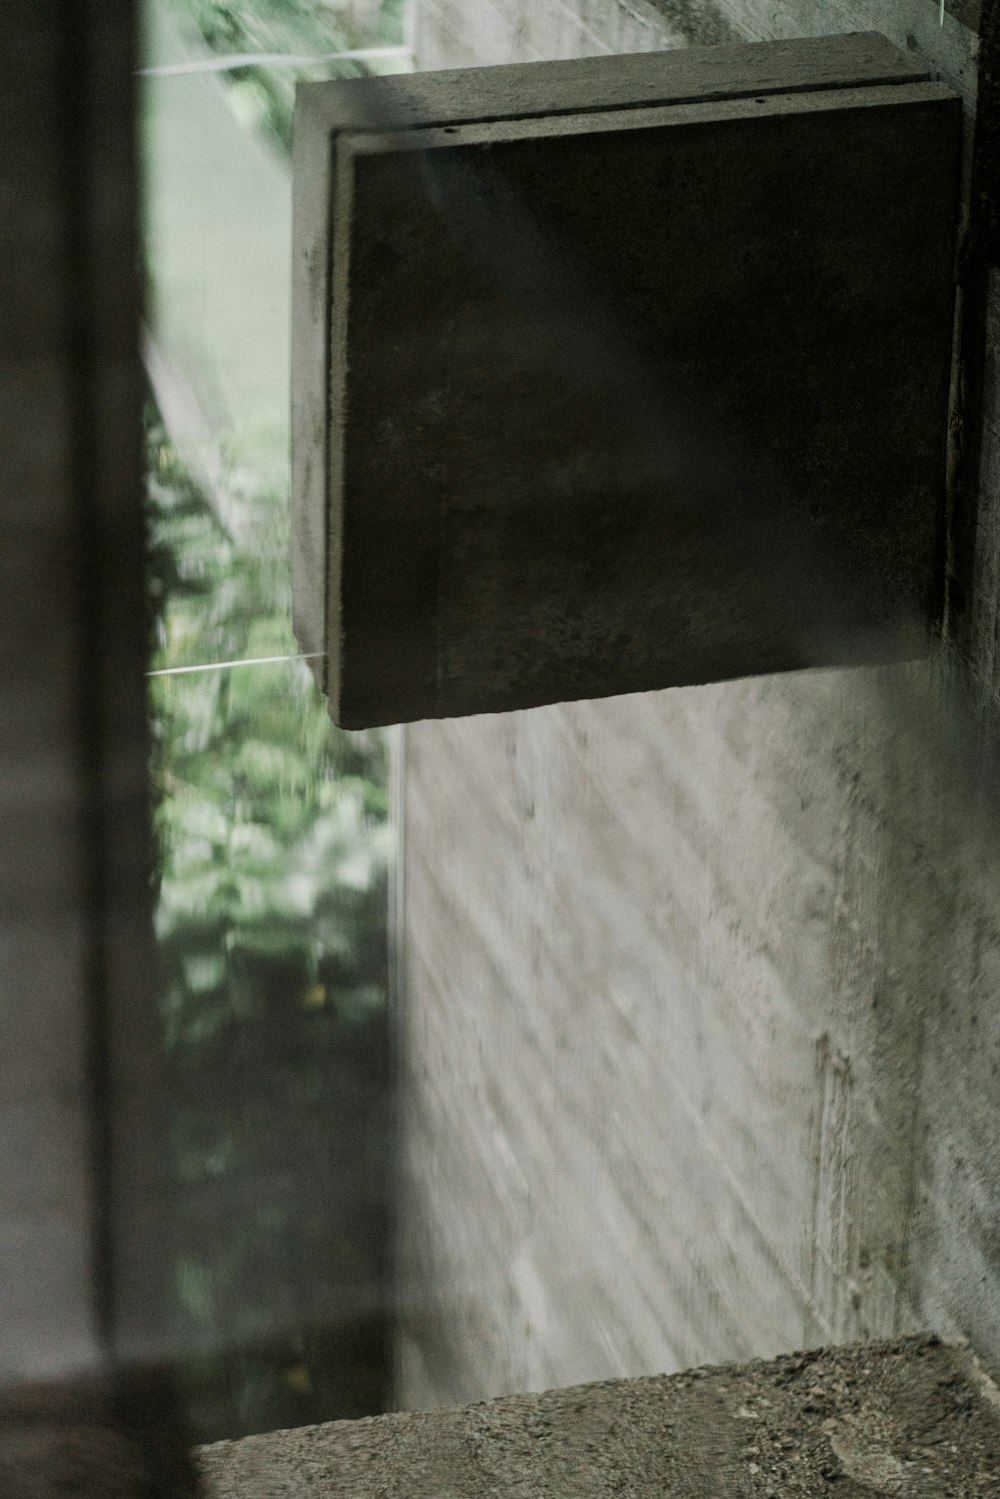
<point x="908" y="1417"/>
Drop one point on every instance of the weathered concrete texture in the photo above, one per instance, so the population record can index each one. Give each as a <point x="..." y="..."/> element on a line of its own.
<point x="700" y="1031"/>
<point x="904" y="1418"/>
<point x="451" y="34"/>
<point x="645" y="446"/>
<point x="327" y="114"/>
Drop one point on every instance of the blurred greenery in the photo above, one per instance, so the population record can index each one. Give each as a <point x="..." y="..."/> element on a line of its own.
<point x="273" y="846"/>
<point x="265" y="96"/>
<point x="272" y="824"/>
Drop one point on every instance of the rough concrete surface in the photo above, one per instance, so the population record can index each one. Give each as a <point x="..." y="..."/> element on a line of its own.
<point x="698" y="1009"/>
<point x="327" y="114"/>
<point x="716" y="519"/>
<point x="902" y="1418"/>
<point x="643" y="447"/>
<point x="453" y="34"/>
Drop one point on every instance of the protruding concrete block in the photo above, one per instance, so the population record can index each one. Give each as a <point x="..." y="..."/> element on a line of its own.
<point x="618" y="374"/>
<point x="911" y="1417"/>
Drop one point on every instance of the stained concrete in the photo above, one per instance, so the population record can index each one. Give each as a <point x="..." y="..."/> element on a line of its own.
<point x="698" y="989"/>
<point x="446" y="34"/>
<point x="903" y="1418"/>
<point x="571" y="85"/>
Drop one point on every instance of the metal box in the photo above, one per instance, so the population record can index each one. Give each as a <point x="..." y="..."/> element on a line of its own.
<point x="620" y="373"/>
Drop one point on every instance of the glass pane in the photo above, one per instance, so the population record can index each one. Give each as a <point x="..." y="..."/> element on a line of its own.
<point x="272" y="824"/>
<point x="271" y="922"/>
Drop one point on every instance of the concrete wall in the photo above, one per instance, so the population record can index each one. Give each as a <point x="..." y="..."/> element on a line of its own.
<point x="79" y="1188"/>
<point x="699" y="1021"/>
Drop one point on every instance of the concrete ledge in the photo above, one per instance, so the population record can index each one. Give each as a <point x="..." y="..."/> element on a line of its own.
<point x="909" y="1417"/>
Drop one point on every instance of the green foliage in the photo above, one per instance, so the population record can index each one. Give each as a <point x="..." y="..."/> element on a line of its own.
<point x="264" y="96"/>
<point x="273" y="844"/>
<point x="272" y="837"/>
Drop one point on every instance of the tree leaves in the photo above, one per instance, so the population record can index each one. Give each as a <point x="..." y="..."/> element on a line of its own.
<point x="273" y="848"/>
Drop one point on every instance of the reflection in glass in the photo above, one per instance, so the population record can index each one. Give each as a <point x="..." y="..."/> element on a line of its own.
<point x="273" y="840"/>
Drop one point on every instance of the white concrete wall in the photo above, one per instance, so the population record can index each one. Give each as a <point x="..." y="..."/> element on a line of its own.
<point x="457" y="34"/>
<point x="699" y="1023"/>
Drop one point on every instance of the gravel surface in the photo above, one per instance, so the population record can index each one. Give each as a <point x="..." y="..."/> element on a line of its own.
<point x="908" y="1417"/>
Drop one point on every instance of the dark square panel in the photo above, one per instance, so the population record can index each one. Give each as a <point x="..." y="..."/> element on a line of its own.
<point x="627" y="397"/>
